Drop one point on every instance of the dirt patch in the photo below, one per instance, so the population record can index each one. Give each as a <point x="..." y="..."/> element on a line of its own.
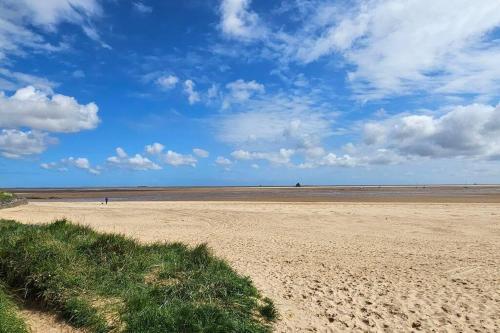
<point x="43" y="322"/>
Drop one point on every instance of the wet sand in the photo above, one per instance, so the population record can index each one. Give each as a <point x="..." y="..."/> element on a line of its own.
<point x="448" y="193"/>
<point x="332" y="266"/>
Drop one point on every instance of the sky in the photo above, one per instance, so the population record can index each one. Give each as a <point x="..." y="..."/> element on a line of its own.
<point x="249" y="92"/>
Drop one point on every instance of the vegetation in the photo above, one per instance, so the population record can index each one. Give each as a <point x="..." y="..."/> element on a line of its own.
<point x="110" y="283"/>
<point x="9" y="320"/>
<point x="6" y="197"/>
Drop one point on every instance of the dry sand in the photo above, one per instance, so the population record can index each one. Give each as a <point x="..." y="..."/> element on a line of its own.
<point x="393" y="267"/>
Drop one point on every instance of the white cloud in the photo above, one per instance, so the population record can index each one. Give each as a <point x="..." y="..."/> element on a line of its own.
<point x="11" y="81"/>
<point x="213" y="92"/>
<point x="92" y="33"/>
<point x="53" y="166"/>
<point x="120" y="152"/>
<point x="176" y="159"/>
<point x="16" y="144"/>
<point x="171" y="157"/>
<point x="276" y="121"/>
<point x="53" y="12"/>
<point x="240" y="91"/>
<point x="167" y="82"/>
<point x="464" y="132"/>
<point x="142" y="8"/>
<point x="78" y="162"/>
<point x="222" y="161"/>
<point x="389" y="47"/>
<point x="283" y="156"/>
<point x="201" y="152"/>
<point x="79" y="74"/>
<point x="136" y="162"/>
<point x="241" y="155"/>
<point x="155" y="148"/>
<point x="461" y="131"/>
<point x="331" y="160"/>
<point x="189" y="89"/>
<point x="35" y="109"/>
<point x="400" y="46"/>
<point x="237" y="21"/>
<point x="18" y="17"/>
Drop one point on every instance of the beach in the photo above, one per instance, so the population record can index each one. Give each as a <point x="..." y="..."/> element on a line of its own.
<point x="331" y="266"/>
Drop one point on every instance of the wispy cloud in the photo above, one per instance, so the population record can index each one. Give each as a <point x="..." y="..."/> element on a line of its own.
<point x="392" y="47"/>
<point x="142" y="8"/>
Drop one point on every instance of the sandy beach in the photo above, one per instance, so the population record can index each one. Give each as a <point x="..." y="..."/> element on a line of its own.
<point x="358" y="266"/>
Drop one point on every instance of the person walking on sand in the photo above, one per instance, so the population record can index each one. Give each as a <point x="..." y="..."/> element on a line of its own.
<point x="106" y="200"/>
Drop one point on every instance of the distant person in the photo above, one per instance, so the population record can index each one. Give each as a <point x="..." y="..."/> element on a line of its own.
<point x="106" y="200"/>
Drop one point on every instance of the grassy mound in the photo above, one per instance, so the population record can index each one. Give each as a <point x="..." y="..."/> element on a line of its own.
<point x="109" y="283"/>
<point x="6" y="197"/>
<point x="9" y="320"/>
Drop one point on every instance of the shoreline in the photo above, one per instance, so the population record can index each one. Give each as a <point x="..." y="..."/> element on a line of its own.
<point x="408" y="194"/>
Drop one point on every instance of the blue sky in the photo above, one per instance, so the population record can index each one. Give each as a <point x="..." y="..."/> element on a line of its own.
<point x="241" y="92"/>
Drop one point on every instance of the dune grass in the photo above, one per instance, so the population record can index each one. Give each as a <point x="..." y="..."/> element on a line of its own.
<point x="10" y="322"/>
<point x="6" y="197"/>
<point x="110" y="283"/>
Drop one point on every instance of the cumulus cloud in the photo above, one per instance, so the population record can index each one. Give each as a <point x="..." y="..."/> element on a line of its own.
<point x="283" y="156"/>
<point x="136" y="162"/>
<point x="17" y="144"/>
<point x="171" y="157"/>
<point x="167" y="82"/>
<point x="330" y="160"/>
<point x="155" y="148"/>
<point x="176" y="159"/>
<point x="461" y="131"/>
<point x="276" y="128"/>
<point x="222" y="161"/>
<point x="239" y="22"/>
<point x="189" y="89"/>
<point x="201" y="152"/>
<point x="35" y="109"/>
<point x="78" y="162"/>
<point x="466" y="132"/>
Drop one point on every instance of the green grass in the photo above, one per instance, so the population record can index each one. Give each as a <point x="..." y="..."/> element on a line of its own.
<point x="110" y="283"/>
<point x="6" y="197"/>
<point x="10" y="322"/>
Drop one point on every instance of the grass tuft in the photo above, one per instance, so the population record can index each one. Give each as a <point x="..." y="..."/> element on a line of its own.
<point x="6" y="197"/>
<point x="10" y="322"/>
<point x="110" y="283"/>
<point x="268" y="310"/>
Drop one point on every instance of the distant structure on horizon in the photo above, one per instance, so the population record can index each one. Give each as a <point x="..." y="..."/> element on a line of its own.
<point x="298" y="185"/>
